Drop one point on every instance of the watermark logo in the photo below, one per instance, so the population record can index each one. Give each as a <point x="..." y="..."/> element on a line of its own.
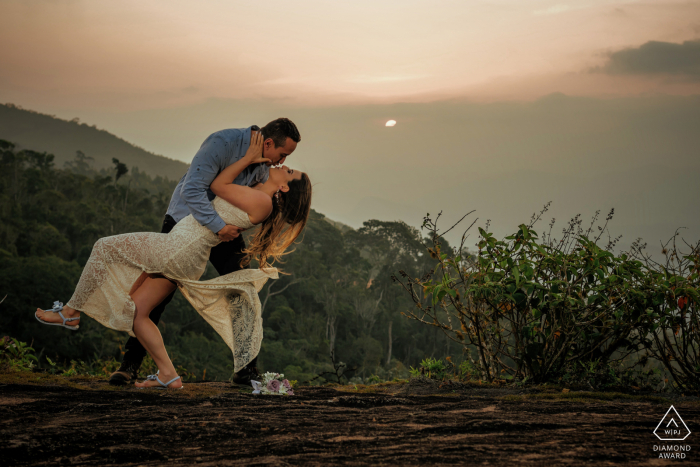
<point x="672" y="427"/>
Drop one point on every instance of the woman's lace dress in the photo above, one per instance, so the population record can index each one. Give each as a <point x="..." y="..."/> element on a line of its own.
<point x="229" y="303"/>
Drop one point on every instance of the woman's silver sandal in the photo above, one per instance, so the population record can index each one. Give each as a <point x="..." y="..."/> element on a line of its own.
<point x="163" y="385"/>
<point x="57" y="308"/>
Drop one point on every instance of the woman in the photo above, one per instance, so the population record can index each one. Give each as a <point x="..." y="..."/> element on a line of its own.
<point x="128" y="275"/>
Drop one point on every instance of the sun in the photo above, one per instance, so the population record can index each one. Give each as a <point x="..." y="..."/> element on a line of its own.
<point x="391" y="123"/>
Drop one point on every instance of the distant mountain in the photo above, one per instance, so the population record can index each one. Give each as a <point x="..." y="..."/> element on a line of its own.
<point x="62" y="138"/>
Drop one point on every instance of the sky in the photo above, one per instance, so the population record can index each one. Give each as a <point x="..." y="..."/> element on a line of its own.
<point x="500" y="105"/>
<point x="133" y="55"/>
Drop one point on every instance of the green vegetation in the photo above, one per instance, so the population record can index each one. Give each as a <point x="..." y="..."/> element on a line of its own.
<point x="434" y="369"/>
<point x="536" y="309"/>
<point x="522" y="309"/>
<point x="336" y="295"/>
<point x="16" y="355"/>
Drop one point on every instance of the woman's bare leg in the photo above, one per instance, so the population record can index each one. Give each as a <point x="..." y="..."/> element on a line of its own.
<point x="147" y="293"/>
<point x="146" y="297"/>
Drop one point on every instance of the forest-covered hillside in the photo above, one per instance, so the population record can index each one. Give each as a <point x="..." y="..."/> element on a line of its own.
<point x="337" y="293"/>
<point x="39" y="132"/>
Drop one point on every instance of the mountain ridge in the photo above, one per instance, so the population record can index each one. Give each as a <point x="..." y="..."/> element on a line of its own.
<point x="29" y="129"/>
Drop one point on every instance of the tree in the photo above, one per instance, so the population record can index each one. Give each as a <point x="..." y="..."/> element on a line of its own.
<point x="81" y="165"/>
<point x="120" y="168"/>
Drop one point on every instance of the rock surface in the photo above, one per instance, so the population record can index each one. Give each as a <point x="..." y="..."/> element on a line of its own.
<point x="215" y="424"/>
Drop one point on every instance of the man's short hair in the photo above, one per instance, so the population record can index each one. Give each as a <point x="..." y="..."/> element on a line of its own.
<point x="281" y="129"/>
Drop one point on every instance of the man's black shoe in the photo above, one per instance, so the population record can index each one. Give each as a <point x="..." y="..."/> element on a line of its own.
<point x="246" y="374"/>
<point x="127" y="373"/>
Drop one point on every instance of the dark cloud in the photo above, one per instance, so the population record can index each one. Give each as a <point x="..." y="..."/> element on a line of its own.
<point x="655" y="58"/>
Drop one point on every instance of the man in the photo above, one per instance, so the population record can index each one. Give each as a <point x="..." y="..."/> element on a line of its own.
<point x="193" y="196"/>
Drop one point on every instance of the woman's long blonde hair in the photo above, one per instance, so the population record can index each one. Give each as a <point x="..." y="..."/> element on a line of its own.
<point x="290" y="211"/>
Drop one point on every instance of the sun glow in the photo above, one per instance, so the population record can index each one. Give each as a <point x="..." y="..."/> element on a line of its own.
<point x="391" y="123"/>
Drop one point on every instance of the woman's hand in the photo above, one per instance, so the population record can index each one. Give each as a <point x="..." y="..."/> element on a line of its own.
<point x="254" y="154"/>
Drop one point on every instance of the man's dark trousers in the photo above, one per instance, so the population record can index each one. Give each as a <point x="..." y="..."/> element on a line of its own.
<point x="226" y="258"/>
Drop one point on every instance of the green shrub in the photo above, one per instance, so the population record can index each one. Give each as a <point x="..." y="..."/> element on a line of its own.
<point x="672" y="316"/>
<point x="16" y="355"/>
<point x="434" y="369"/>
<point x="536" y="309"/>
<point x="467" y="370"/>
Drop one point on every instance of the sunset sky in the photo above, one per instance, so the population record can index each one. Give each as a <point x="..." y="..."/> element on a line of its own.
<point x="469" y="83"/>
<point x="134" y="54"/>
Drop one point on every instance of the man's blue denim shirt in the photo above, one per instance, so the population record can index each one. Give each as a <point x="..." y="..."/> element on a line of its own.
<point x="221" y="149"/>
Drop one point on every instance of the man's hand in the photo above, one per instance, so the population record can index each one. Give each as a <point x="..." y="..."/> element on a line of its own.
<point x="228" y="233"/>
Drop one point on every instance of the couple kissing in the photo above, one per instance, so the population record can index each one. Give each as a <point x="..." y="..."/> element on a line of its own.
<point x="236" y="181"/>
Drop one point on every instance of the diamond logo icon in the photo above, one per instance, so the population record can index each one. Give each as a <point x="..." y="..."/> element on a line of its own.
<point x="672" y="427"/>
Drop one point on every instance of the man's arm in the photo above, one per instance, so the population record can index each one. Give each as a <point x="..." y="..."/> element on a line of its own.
<point x="204" y="168"/>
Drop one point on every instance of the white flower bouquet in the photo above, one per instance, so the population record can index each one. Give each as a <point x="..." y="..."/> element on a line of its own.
<point x="272" y="383"/>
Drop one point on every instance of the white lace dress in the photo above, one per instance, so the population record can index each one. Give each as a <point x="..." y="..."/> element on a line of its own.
<point x="229" y="303"/>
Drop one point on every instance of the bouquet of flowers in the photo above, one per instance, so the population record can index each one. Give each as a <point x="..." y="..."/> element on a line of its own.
<point x="272" y="383"/>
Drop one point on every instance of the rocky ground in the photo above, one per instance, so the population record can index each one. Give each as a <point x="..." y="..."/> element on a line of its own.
<point x="48" y="420"/>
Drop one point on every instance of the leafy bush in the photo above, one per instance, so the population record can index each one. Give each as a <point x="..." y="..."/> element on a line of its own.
<point x="534" y="309"/>
<point x="16" y="355"/>
<point x="468" y="371"/>
<point x="434" y="369"/>
<point x="673" y="315"/>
